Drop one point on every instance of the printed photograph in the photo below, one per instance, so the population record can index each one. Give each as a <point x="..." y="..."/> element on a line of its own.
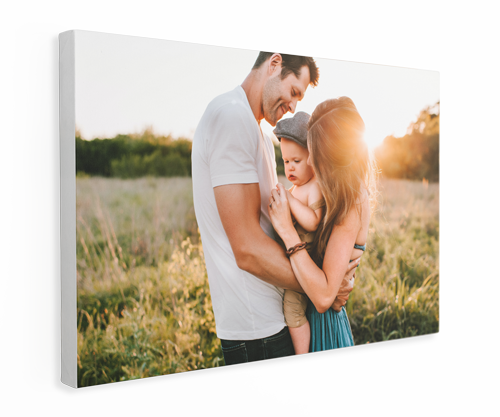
<point x="236" y="206"/>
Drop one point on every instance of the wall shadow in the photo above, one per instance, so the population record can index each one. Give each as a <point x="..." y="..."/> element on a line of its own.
<point x="202" y="373"/>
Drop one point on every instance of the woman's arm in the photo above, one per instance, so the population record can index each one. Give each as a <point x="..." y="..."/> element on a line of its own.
<point x="321" y="286"/>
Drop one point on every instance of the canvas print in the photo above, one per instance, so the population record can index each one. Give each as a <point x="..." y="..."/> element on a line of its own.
<point x="236" y="206"/>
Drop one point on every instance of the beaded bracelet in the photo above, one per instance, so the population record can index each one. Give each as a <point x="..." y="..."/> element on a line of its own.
<point x="295" y="248"/>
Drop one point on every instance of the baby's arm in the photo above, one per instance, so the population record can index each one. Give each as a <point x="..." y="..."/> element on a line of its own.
<point x="308" y="218"/>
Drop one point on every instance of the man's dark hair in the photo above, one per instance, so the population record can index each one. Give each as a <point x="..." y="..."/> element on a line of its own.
<point x="291" y="64"/>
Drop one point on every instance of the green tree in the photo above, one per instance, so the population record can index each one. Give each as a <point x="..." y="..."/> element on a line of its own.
<point x="133" y="156"/>
<point x="280" y="166"/>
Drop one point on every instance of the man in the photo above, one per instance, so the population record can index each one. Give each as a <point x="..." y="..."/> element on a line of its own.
<point x="234" y="171"/>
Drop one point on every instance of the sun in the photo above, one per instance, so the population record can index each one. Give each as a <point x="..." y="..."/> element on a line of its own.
<point x="374" y="139"/>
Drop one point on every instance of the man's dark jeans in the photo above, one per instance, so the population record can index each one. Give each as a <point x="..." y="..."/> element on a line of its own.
<point x="241" y="351"/>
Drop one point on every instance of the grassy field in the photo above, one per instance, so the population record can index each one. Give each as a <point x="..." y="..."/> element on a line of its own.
<point x="144" y="306"/>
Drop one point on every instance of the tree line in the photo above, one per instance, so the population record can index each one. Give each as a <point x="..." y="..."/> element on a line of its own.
<point x="133" y="156"/>
<point x="414" y="156"/>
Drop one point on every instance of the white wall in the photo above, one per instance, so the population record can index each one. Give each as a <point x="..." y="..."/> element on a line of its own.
<point x="453" y="371"/>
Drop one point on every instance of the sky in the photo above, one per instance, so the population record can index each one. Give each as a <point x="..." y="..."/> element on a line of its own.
<point x="125" y="84"/>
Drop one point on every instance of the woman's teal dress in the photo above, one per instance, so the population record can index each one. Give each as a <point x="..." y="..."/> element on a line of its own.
<point x="330" y="330"/>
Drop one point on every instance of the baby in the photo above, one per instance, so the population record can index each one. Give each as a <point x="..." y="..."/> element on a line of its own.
<point x="306" y="205"/>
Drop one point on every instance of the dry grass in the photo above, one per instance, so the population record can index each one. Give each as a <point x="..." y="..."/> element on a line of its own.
<point x="144" y="305"/>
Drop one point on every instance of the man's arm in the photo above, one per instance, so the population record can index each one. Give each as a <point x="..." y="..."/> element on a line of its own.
<point x="255" y="252"/>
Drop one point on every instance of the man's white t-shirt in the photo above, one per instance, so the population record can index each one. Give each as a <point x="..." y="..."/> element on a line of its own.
<point x="229" y="148"/>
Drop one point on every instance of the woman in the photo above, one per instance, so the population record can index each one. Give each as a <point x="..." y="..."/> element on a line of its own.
<point x="345" y="173"/>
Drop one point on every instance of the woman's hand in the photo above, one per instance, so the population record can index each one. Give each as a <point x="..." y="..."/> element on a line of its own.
<point x="279" y="212"/>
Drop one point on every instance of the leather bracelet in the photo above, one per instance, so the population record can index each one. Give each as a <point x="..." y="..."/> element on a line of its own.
<point x="296" y="248"/>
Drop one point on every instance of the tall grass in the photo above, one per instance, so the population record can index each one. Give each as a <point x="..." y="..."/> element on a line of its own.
<point x="397" y="291"/>
<point x="144" y="306"/>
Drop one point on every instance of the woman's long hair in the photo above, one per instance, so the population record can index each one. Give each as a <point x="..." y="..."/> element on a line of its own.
<point x="344" y="168"/>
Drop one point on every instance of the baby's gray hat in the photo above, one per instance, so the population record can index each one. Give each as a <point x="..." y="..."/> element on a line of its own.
<point x="294" y="128"/>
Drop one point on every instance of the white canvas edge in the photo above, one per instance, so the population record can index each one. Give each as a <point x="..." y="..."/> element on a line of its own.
<point x="68" y="208"/>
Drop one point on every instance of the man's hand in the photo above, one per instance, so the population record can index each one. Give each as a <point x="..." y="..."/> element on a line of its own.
<point x="347" y="286"/>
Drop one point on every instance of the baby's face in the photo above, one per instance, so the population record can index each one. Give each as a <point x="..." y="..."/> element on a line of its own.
<point x="295" y="158"/>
